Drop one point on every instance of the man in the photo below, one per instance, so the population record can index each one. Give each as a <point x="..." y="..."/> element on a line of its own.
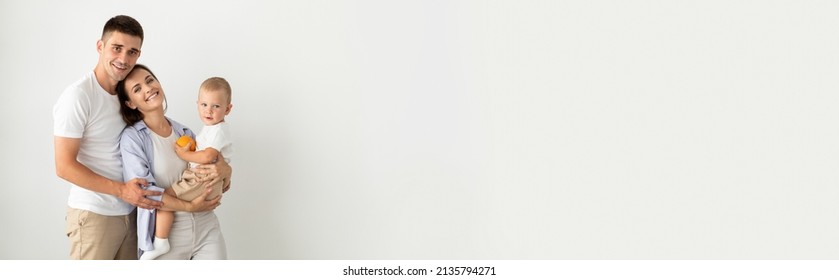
<point x="101" y="223"/>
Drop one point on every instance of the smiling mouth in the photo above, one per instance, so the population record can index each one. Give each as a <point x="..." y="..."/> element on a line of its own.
<point x="121" y="67"/>
<point x="152" y="96"/>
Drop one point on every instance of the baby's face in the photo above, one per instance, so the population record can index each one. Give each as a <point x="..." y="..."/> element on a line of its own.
<point x="212" y="106"/>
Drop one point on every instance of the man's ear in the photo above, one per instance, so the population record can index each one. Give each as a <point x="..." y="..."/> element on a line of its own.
<point x="99" y="45"/>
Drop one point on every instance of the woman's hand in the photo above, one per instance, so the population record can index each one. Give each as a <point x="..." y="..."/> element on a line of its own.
<point x="211" y="174"/>
<point x="201" y="204"/>
<point x="226" y="187"/>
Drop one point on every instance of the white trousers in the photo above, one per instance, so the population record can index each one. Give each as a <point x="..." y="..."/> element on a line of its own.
<point x="196" y="236"/>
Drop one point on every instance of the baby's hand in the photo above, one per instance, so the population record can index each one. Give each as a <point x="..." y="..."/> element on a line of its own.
<point x="190" y="146"/>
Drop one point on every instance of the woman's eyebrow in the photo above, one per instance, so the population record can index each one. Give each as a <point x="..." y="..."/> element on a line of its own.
<point x="138" y="84"/>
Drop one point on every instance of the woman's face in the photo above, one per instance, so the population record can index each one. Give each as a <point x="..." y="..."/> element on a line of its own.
<point x="144" y="91"/>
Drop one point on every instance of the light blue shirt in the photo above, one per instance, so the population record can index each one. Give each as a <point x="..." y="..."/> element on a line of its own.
<point x="135" y="145"/>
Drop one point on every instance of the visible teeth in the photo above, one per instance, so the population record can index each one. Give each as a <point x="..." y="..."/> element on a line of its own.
<point x="151" y="97"/>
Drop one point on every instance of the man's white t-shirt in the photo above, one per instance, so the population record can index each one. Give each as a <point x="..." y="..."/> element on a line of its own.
<point x="218" y="137"/>
<point x="85" y="110"/>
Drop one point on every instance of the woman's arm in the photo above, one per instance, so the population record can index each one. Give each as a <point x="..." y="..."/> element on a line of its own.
<point x="199" y="204"/>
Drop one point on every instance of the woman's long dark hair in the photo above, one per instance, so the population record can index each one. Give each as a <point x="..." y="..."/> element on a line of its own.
<point x="132" y="116"/>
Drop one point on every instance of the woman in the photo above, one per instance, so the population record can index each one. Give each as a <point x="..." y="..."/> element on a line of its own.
<point x="148" y="151"/>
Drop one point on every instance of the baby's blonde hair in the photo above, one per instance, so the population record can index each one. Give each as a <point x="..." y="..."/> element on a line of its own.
<point x="218" y="83"/>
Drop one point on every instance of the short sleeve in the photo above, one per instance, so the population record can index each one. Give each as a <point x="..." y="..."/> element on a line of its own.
<point x="70" y="113"/>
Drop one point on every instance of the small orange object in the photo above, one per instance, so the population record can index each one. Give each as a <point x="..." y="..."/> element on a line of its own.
<point x="184" y="140"/>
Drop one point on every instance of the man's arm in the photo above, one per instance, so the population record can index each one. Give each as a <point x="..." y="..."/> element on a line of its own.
<point x="67" y="167"/>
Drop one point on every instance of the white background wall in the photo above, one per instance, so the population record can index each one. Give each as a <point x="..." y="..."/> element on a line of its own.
<point x="468" y="129"/>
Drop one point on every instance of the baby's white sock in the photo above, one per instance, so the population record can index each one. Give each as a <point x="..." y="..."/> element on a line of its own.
<point x="161" y="246"/>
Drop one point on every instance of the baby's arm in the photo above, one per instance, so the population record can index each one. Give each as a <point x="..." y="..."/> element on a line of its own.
<point x="205" y="156"/>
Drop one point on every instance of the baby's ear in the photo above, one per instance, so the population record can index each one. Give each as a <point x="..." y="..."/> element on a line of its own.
<point x="229" y="107"/>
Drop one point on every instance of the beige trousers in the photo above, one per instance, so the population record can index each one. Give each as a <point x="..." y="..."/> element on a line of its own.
<point x="99" y="237"/>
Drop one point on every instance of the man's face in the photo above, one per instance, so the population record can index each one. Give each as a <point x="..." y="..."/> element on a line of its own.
<point x="118" y="53"/>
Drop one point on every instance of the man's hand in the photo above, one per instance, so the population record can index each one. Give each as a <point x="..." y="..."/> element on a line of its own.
<point x="133" y="193"/>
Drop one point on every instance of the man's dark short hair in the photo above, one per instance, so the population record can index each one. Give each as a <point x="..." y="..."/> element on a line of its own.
<point x="123" y="24"/>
